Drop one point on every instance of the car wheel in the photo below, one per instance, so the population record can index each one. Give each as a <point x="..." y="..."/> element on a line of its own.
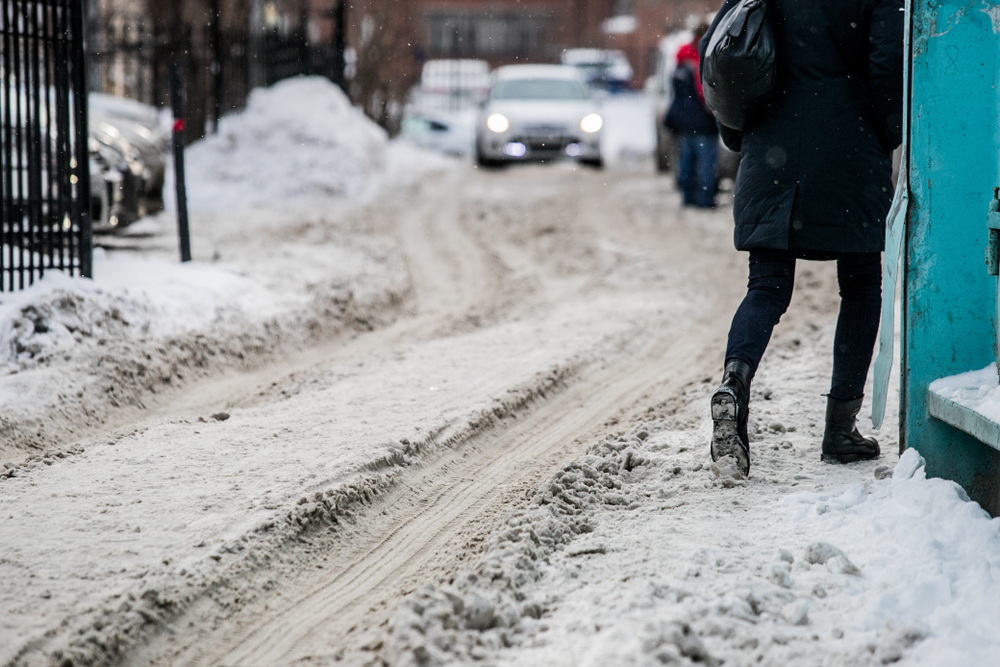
<point x="596" y="163"/>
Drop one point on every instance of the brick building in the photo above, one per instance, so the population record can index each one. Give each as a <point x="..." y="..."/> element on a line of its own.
<point x="652" y="19"/>
<point x="509" y="31"/>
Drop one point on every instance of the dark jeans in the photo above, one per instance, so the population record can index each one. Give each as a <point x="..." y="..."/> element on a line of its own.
<point x="769" y="291"/>
<point x="696" y="168"/>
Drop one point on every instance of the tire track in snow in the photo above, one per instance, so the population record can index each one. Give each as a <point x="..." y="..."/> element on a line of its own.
<point x="407" y="534"/>
<point x="429" y="521"/>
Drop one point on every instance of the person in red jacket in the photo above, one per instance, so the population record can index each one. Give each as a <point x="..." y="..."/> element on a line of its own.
<point x="694" y="126"/>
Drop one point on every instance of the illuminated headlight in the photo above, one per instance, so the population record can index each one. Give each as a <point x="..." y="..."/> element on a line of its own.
<point x="497" y="122"/>
<point x="591" y="123"/>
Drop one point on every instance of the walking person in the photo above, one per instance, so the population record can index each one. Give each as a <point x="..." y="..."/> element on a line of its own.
<point x="815" y="183"/>
<point x="694" y="127"/>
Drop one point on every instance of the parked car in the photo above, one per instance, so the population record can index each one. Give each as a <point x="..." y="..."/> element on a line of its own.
<point x="448" y="133"/>
<point x="604" y="69"/>
<point x="127" y="161"/>
<point x="442" y="109"/>
<point x="538" y="112"/>
<point x="659" y="90"/>
<point x="453" y="84"/>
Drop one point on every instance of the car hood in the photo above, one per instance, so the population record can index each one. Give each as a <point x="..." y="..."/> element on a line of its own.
<point x="544" y="112"/>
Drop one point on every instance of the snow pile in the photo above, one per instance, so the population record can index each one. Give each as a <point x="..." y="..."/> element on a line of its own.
<point x="977" y="390"/>
<point x="129" y="301"/>
<point x="57" y="313"/>
<point x="930" y="558"/>
<point x="298" y="138"/>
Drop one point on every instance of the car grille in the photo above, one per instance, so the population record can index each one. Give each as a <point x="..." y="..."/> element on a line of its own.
<point x="544" y="144"/>
<point x="546" y="130"/>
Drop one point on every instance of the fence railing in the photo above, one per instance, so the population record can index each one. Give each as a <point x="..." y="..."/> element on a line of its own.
<point x="219" y="65"/>
<point x="44" y="162"/>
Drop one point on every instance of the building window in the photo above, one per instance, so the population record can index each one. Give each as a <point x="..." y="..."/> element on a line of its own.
<point x="624" y="8"/>
<point x="486" y="34"/>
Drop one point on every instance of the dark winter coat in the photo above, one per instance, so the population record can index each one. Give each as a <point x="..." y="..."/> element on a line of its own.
<point x="688" y="115"/>
<point x="815" y="174"/>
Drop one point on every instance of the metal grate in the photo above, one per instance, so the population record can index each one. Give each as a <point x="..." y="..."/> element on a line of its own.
<point x="44" y="159"/>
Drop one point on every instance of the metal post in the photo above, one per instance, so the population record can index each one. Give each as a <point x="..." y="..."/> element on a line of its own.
<point x="176" y="104"/>
<point x="340" y="44"/>
<point x="216" y="66"/>
<point x="81" y="147"/>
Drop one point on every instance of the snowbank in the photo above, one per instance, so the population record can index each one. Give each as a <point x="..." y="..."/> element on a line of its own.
<point x="300" y="137"/>
<point x="129" y="300"/>
<point x="930" y="558"/>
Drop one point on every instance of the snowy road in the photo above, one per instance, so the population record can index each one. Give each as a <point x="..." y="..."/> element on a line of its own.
<point x="522" y="285"/>
<point x="622" y="344"/>
<point x="379" y="492"/>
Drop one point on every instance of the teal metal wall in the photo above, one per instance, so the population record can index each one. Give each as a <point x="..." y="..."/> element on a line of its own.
<point x="949" y="301"/>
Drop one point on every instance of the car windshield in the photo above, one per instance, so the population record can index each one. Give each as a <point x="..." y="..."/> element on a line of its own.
<point x="538" y="89"/>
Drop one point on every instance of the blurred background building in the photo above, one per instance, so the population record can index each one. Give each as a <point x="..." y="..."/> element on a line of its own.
<point x="374" y="48"/>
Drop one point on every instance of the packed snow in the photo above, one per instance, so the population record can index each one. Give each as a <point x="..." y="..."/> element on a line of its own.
<point x="644" y="553"/>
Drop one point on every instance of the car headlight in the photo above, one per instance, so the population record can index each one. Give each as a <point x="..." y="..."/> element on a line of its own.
<point x="497" y="122"/>
<point x="591" y="123"/>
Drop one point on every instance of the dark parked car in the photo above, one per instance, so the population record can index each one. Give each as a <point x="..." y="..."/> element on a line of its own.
<point x="127" y="161"/>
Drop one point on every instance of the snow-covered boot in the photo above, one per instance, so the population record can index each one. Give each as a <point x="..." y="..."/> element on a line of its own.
<point x="730" y="409"/>
<point x="842" y="443"/>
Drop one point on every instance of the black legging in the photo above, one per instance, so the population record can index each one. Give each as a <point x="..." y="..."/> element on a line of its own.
<point x="769" y="291"/>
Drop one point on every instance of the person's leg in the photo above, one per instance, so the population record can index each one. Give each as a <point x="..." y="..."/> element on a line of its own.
<point x="708" y="149"/>
<point x="769" y="291"/>
<point x="687" y="180"/>
<point x="860" y="278"/>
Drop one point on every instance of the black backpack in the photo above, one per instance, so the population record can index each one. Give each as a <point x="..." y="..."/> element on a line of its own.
<point x="738" y="69"/>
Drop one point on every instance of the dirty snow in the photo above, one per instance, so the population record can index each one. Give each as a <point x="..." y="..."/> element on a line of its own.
<point x="644" y="553"/>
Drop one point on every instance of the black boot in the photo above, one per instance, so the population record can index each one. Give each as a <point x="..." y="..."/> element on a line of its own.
<point x="730" y="409"/>
<point x="842" y="443"/>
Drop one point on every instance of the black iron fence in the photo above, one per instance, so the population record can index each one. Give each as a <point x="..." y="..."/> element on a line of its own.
<point x="129" y="56"/>
<point x="44" y="163"/>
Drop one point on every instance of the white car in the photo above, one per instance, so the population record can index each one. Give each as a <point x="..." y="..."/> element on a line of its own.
<point x="538" y="112"/>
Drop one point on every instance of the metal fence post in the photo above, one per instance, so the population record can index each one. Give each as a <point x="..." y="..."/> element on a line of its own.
<point x="340" y="44"/>
<point x="176" y="104"/>
<point x="82" y="147"/>
<point x="44" y="154"/>
<point x="216" y="66"/>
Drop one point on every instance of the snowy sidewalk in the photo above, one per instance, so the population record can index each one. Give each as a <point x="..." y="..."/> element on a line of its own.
<point x="644" y="553"/>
